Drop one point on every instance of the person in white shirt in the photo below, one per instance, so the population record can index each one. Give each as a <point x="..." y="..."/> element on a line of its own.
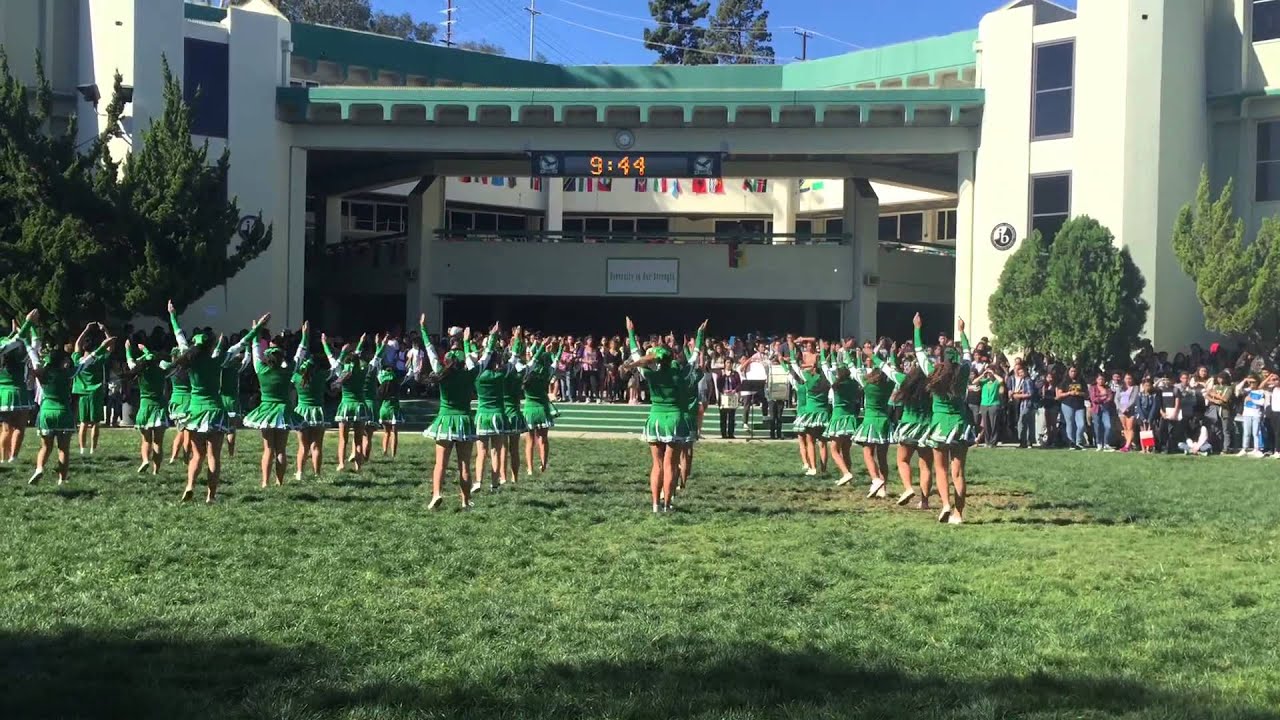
<point x="1256" y="399"/>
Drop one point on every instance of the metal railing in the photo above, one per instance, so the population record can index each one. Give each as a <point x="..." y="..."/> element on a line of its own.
<point x="687" y="238"/>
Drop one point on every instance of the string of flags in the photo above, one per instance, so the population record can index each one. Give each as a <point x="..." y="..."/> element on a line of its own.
<point x="672" y="186"/>
<point x="807" y="185"/>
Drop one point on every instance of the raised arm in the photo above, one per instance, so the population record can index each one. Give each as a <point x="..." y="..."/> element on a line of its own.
<point x="922" y="355"/>
<point x="16" y="339"/>
<point x="303" y="344"/>
<point x="90" y="359"/>
<point x="490" y="343"/>
<point x="181" y="337"/>
<point x="631" y="340"/>
<point x="128" y="355"/>
<point x="696" y="359"/>
<point x="251" y="337"/>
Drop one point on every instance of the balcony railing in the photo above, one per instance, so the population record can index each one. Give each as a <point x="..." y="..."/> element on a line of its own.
<point x="687" y="238"/>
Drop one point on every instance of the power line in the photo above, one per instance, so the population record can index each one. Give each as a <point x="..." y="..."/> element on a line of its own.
<point x="656" y="44"/>
<point x="547" y="38"/>
<point x="713" y="26"/>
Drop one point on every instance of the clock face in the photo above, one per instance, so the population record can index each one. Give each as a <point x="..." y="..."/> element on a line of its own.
<point x="624" y="139"/>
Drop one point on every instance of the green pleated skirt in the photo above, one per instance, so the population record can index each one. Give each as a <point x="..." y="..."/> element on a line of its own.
<point x="950" y="431"/>
<point x="151" y="414"/>
<point x="91" y="409"/>
<point x="842" y="425"/>
<point x="815" y="419"/>
<point x="491" y="423"/>
<point x="15" y="399"/>
<point x="55" y="421"/>
<point x="273" y="416"/>
<point x="207" y="420"/>
<point x="352" y="412"/>
<point x="671" y="428"/>
<point x="516" y="424"/>
<point x="875" y="429"/>
<point x="452" y="428"/>
<point x="389" y="413"/>
<point x="539" y="416"/>
<point x="311" y="416"/>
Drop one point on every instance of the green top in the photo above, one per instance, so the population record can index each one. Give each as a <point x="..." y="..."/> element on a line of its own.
<point x="952" y="403"/>
<point x="274" y="377"/>
<point x="511" y="390"/>
<point x="875" y="396"/>
<point x="311" y="385"/>
<point x="537" y="377"/>
<point x="230" y="380"/>
<point x="990" y="389"/>
<point x="456" y="386"/>
<point x="490" y="384"/>
<point x="13" y="359"/>
<point x="664" y="388"/>
<point x="204" y="372"/>
<point x="91" y="379"/>
<point x="150" y="377"/>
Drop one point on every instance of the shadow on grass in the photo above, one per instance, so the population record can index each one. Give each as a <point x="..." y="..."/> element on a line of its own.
<point x="87" y="675"/>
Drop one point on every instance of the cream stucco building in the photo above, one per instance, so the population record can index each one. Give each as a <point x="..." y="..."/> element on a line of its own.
<point x="848" y="191"/>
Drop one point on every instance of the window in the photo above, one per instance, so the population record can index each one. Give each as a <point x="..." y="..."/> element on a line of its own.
<point x="652" y="227"/>
<point x="1266" y="20"/>
<point x="486" y="222"/>
<point x="624" y="225"/>
<point x="512" y="223"/>
<point x="460" y="220"/>
<point x="911" y="227"/>
<point x="946" y="220"/>
<point x="362" y="216"/>
<point x="206" y="86"/>
<point x="741" y="227"/>
<point x="1050" y="204"/>
<point x="888" y="227"/>
<point x="572" y="225"/>
<point x="1267" y="185"/>
<point x="1052" y="100"/>
<point x="804" y="229"/>
<point x="835" y="226"/>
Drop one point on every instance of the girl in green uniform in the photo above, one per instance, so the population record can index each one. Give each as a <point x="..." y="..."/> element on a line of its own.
<point x="55" y="421"/>
<point x="844" y="410"/>
<point x="16" y="402"/>
<point x="89" y="389"/>
<point x="875" y="432"/>
<point x="311" y="382"/>
<point x="274" y="416"/>
<point x="454" y="429"/>
<point x="950" y="432"/>
<point x="179" y="399"/>
<point x="917" y="415"/>
<point x="667" y="428"/>
<point x="388" y="394"/>
<point x="352" y="414"/>
<point x="151" y="418"/>
<point x="229" y="388"/>
<point x="812" y="415"/>
<point x="206" y="418"/>
<point x="512" y="395"/>
<point x="491" y="413"/>
<point x="539" y="415"/>
<point x="691" y="367"/>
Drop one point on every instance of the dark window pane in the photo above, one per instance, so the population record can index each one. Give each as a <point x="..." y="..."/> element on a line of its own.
<point x="624" y="225"/>
<point x="459" y="221"/>
<point x="911" y="227"/>
<point x="1266" y="20"/>
<point x="652" y="225"/>
<point x="572" y="225"/>
<point x="835" y="226"/>
<point x="1054" y="65"/>
<point x="1051" y="195"/>
<point x="1269" y="140"/>
<point x="946" y="225"/>
<point x="362" y="213"/>
<point x="206" y="86"/>
<point x="1052" y="113"/>
<point x="487" y="222"/>
<point x="804" y="227"/>
<point x="597" y="225"/>
<point x="1048" y="225"/>
<point x="1268" y="182"/>
<point x="511" y="223"/>
<point x="889" y="227"/>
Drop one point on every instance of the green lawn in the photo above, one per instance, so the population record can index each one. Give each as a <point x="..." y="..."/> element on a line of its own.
<point x="1084" y="586"/>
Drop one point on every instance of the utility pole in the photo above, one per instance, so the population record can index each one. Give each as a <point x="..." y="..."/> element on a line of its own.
<point x="804" y="43"/>
<point x="533" y="18"/>
<point x="448" y="23"/>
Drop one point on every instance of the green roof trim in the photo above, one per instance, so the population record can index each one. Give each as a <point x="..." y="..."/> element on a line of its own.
<point x="918" y="57"/>
<point x="559" y="99"/>
<point x="208" y="13"/>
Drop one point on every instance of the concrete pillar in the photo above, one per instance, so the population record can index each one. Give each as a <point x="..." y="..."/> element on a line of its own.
<point x="332" y="224"/>
<point x="862" y="221"/>
<point x="295" y="256"/>
<point x="555" y="205"/>
<point x="975" y="313"/>
<point x="786" y="202"/>
<point x="426" y="217"/>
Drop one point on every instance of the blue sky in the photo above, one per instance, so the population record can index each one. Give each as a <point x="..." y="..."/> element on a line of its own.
<point x="609" y="31"/>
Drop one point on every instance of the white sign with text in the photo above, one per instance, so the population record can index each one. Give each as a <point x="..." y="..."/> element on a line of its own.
<point x="642" y="276"/>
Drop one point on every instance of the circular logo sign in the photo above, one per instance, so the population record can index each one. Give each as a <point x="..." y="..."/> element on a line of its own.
<point x="247" y="227"/>
<point x="1003" y="236"/>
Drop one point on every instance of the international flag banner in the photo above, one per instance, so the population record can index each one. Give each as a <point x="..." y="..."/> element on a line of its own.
<point x="642" y="184"/>
<point x="675" y="188"/>
<point x="570" y="185"/>
<point x="484" y="181"/>
<point x="755" y="185"/>
<point x="465" y="178"/>
<point x="699" y="186"/>
<point x="605" y="184"/>
<point x="535" y="183"/>
<point x="591" y="184"/>
<point x="717" y="186"/>
<point x="511" y="181"/>
<point x="499" y="182"/>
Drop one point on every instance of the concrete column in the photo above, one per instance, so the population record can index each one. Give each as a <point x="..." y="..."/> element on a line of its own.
<point x="966" y="307"/>
<point x="862" y="221"/>
<point x="332" y="223"/>
<point x="786" y="201"/>
<point x="295" y="256"/>
<point x="555" y="205"/>
<point x="426" y="216"/>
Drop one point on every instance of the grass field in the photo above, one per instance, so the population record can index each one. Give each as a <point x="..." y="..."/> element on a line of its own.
<point x="1084" y="586"/>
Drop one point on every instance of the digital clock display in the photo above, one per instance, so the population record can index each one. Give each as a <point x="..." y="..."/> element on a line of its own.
<point x="616" y="164"/>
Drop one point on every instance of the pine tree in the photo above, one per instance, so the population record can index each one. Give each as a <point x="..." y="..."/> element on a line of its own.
<point x="1237" y="284"/>
<point x="181" y="221"/>
<point x="740" y="34"/>
<point x="679" y="36"/>
<point x="1093" y="295"/>
<point x="1019" y="316"/>
<point x="60" y="248"/>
